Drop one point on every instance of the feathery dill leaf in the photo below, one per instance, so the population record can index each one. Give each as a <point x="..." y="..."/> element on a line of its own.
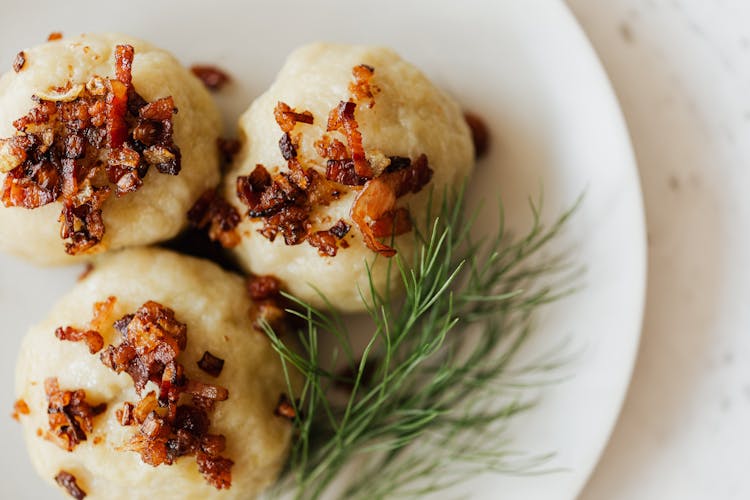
<point x="426" y="400"/>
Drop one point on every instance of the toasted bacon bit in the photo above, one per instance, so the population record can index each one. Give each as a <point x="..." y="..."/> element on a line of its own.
<point x="68" y="481"/>
<point x="93" y="340"/>
<point x="102" y="313"/>
<point x="342" y="118"/>
<point x="55" y="35"/>
<point x="211" y="364"/>
<point x="211" y="76"/>
<point x="216" y="470"/>
<point x="325" y="242"/>
<point x="361" y="88"/>
<point x="124" y="63"/>
<point x="330" y="148"/>
<point x="70" y="416"/>
<point x="375" y="204"/>
<point x="228" y="148"/>
<point x="263" y="287"/>
<point x="83" y="143"/>
<point x="392" y="223"/>
<point x="288" y="151"/>
<point x="213" y="211"/>
<point x="284" y="408"/>
<point x="343" y="172"/>
<point x="340" y="229"/>
<point x="165" y="430"/>
<point x="287" y="117"/>
<point x="479" y="134"/>
<point x="125" y="414"/>
<point x="20" y="408"/>
<point x="19" y="62"/>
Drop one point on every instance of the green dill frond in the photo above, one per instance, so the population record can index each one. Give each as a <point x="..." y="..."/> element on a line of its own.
<point x="426" y="401"/>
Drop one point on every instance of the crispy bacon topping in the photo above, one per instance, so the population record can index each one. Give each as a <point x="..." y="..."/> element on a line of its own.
<point x="19" y="62"/>
<point x="92" y="338"/>
<point x="330" y="148"/>
<point x="20" y="408"/>
<point x="361" y="88"/>
<point x="216" y="470"/>
<point x="286" y="201"/>
<point x="68" y="481"/>
<point x="284" y="408"/>
<point x="342" y="118"/>
<point x="152" y="339"/>
<point x="70" y="416"/>
<point x="374" y="209"/>
<point x="211" y="364"/>
<point x="263" y="287"/>
<point x="211" y="76"/>
<point x="55" y="35"/>
<point x="327" y="241"/>
<point x="82" y="143"/>
<point x="228" y="148"/>
<point x="212" y="211"/>
<point x="287" y="117"/>
<point x="90" y="335"/>
<point x="479" y="134"/>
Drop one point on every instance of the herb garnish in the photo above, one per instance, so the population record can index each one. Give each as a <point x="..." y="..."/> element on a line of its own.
<point x="424" y="405"/>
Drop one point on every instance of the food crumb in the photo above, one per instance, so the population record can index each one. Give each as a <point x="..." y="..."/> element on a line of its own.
<point x="20" y="408"/>
<point x="211" y="76"/>
<point x="68" y="481"/>
<point x="55" y="35"/>
<point x="19" y="62"/>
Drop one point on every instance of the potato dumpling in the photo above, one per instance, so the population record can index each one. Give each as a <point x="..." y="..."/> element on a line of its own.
<point x="105" y="143"/>
<point x="339" y="155"/>
<point x="179" y="331"/>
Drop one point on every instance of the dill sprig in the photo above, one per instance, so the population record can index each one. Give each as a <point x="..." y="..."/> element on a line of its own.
<point x="422" y="406"/>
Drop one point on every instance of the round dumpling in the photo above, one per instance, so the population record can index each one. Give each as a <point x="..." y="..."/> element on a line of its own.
<point x="340" y="155"/>
<point x="105" y="142"/>
<point x="150" y="379"/>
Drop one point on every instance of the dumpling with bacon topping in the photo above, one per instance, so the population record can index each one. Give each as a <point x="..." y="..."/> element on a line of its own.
<point x="105" y="142"/>
<point x="152" y="379"/>
<point x="340" y="156"/>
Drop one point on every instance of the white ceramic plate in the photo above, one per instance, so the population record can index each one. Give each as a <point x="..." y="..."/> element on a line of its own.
<point x="528" y="70"/>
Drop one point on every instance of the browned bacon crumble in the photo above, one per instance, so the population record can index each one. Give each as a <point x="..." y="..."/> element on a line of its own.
<point x="211" y="76"/>
<point x="166" y="429"/>
<point x="68" y="481"/>
<point x="361" y="89"/>
<point x="211" y="364"/>
<point x="70" y="416"/>
<point x="20" y="408"/>
<point x="286" y="200"/>
<point x="92" y="338"/>
<point x="55" y="35"/>
<point x="212" y="211"/>
<point x="228" y="149"/>
<point x="263" y="287"/>
<point x="94" y="140"/>
<point x="284" y="408"/>
<point x="19" y="62"/>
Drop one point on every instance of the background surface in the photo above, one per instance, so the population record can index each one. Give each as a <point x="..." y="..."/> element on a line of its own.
<point x="681" y="70"/>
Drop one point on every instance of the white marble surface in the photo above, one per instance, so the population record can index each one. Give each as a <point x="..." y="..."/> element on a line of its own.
<point x="681" y="70"/>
